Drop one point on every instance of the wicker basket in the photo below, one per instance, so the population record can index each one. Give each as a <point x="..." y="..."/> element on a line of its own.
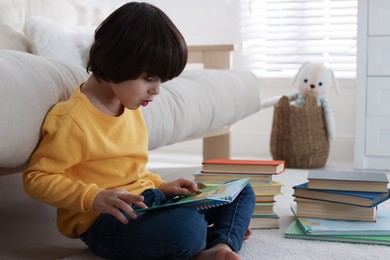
<point x="299" y="134"/>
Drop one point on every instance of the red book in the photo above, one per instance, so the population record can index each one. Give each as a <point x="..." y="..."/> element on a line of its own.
<point x="244" y="166"/>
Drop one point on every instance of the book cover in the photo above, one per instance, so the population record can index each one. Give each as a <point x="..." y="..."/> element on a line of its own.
<point x="309" y="208"/>
<point x="367" y="199"/>
<point x="313" y="226"/>
<point x="209" y="197"/>
<point x="211" y="177"/>
<point x="244" y="166"/>
<point x="296" y="232"/>
<point x="348" y="180"/>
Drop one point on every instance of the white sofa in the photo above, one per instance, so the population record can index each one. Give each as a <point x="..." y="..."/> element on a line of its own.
<point x="43" y="47"/>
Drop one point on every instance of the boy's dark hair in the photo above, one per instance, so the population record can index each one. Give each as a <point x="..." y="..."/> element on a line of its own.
<point x="137" y="38"/>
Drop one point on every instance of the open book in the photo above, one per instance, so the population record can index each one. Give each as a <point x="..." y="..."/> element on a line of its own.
<point x="209" y="197"/>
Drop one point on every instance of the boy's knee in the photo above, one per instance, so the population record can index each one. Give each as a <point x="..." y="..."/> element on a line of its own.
<point x="248" y="192"/>
<point x="190" y="229"/>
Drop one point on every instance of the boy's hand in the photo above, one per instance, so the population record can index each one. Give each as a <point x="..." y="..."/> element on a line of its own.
<point x="179" y="187"/>
<point x="111" y="201"/>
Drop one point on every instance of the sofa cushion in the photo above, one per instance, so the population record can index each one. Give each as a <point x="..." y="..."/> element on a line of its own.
<point x="196" y="102"/>
<point x="13" y="40"/>
<point x="15" y="12"/>
<point x="51" y="39"/>
<point x="200" y="101"/>
<point x="29" y="86"/>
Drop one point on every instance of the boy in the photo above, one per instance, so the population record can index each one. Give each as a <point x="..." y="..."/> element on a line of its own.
<point x="91" y="161"/>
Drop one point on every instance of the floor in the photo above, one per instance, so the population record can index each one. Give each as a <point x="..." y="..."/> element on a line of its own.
<point x="28" y="229"/>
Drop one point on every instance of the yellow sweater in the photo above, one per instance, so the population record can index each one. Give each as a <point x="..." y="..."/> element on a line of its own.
<point x="82" y="152"/>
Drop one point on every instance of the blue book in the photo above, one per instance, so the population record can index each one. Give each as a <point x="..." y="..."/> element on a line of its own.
<point x="316" y="226"/>
<point x="365" y="199"/>
<point x="209" y="197"/>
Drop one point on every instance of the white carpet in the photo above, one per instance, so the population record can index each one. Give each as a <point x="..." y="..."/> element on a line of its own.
<point x="271" y="245"/>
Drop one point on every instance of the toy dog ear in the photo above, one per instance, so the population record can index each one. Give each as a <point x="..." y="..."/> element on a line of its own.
<point x="294" y="80"/>
<point x="335" y="82"/>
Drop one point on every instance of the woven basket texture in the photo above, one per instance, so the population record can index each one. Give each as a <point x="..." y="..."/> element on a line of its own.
<point x="299" y="135"/>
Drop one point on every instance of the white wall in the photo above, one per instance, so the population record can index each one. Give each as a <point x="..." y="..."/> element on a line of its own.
<point x="217" y="22"/>
<point x="204" y="21"/>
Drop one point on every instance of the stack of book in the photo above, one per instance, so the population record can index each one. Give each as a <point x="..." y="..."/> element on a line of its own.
<point x="259" y="174"/>
<point x="341" y="195"/>
<point x="334" y="204"/>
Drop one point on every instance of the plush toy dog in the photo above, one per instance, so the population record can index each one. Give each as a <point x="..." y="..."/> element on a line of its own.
<point x="314" y="79"/>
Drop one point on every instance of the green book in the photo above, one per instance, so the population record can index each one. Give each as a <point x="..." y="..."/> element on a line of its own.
<point x="209" y="197"/>
<point x="296" y="232"/>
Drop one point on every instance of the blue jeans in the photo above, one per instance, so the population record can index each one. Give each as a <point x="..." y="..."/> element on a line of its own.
<point x="173" y="233"/>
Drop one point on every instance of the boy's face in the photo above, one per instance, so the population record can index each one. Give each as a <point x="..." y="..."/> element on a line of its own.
<point x="139" y="92"/>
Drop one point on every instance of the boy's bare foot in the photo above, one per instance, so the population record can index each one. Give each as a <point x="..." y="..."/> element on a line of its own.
<point x="218" y="252"/>
<point x="248" y="233"/>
